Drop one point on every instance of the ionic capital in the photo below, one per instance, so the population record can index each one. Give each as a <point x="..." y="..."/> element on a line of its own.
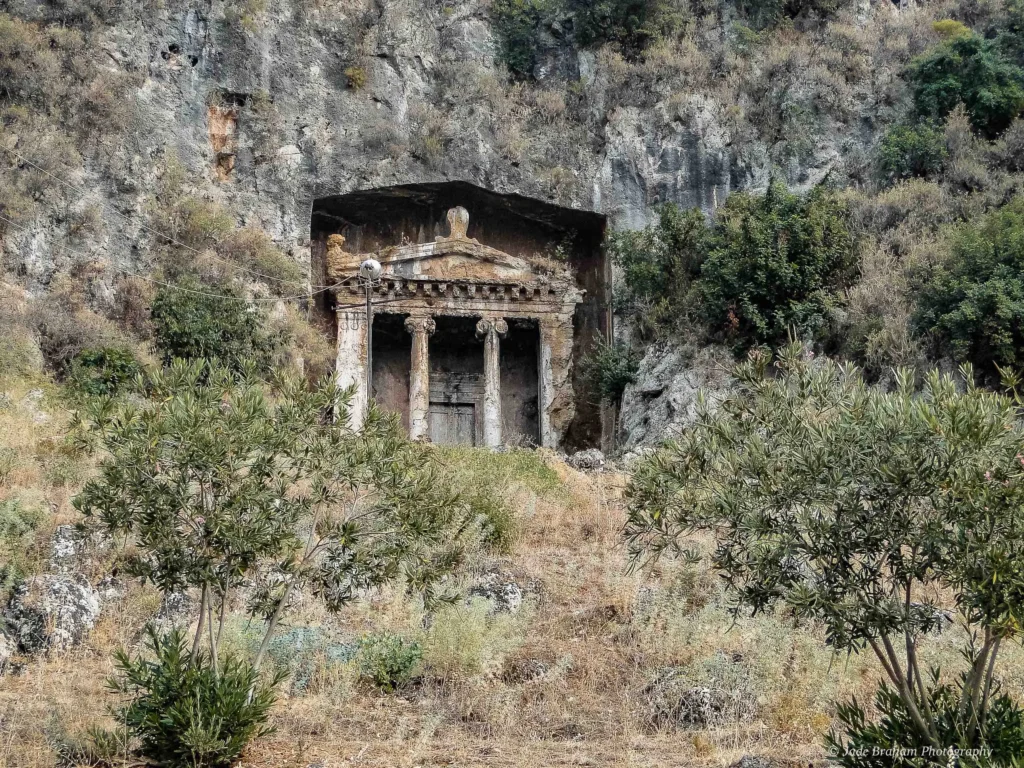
<point x="486" y="325"/>
<point x="416" y="325"/>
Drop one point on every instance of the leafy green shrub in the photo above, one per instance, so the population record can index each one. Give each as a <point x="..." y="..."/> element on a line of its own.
<point x="500" y="524"/>
<point x="18" y="524"/>
<point x="95" y="747"/>
<point x="389" y="661"/>
<point x="974" y="71"/>
<point x="104" y="370"/>
<point x="518" y="24"/>
<point x="465" y="640"/>
<point x="632" y="24"/>
<point x="909" y="151"/>
<point x="194" y="712"/>
<point x="1010" y="31"/>
<point x="850" y="506"/>
<point x="973" y="305"/>
<point x="609" y="369"/>
<point x="660" y="263"/>
<point x="191" y="321"/>
<point x="775" y="264"/>
<point x="858" y="743"/>
<point x="768" y="13"/>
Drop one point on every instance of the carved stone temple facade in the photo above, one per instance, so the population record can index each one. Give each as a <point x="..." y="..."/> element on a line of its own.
<point x="471" y="344"/>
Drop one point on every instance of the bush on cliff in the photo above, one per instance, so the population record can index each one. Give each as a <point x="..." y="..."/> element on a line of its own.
<point x="974" y="71"/>
<point x="775" y="264"/>
<point x="973" y="304"/>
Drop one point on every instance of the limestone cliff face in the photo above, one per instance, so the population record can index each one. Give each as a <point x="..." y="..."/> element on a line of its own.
<point x="272" y="107"/>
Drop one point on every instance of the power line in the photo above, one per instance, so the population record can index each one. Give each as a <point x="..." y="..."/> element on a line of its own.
<point x="124" y="217"/>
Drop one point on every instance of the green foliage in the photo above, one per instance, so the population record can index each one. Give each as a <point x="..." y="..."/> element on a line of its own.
<point x="104" y="370"/>
<point x="775" y="263"/>
<point x="1010" y="32"/>
<point x="909" y="151"/>
<point x="389" y="661"/>
<point x="632" y="25"/>
<point x="660" y="263"/>
<point x="609" y="369"/>
<point x="191" y="712"/>
<point x="216" y="479"/>
<point x="769" y="264"/>
<point x="850" y="506"/>
<point x="499" y="523"/>
<point x="18" y="523"/>
<point x="974" y="71"/>
<point x="467" y="639"/>
<point x="769" y="13"/>
<point x="192" y="322"/>
<point x="950" y="28"/>
<point x="894" y="742"/>
<point x="518" y="24"/>
<point x="974" y="303"/>
<point x="97" y="747"/>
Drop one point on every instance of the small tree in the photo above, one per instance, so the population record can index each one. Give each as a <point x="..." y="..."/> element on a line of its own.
<point x="849" y="505"/>
<point x="775" y="263"/>
<point x="973" y="303"/>
<point x="194" y="320"/>
<point x="971" y="70"/>
<point x="217" y="481"/>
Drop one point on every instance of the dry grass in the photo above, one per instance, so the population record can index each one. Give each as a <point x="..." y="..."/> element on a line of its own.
<point x="562" y="683"/>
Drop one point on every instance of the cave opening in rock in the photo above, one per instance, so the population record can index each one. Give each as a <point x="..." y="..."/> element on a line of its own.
<point x="544" y="398"/>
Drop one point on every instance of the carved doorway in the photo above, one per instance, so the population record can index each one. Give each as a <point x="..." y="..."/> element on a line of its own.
<point x="452" y="423"/>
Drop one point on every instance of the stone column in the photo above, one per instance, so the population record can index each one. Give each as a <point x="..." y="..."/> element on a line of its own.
<point x="492" y="331"/>
<point x="419" y="374"/>
<point x="554" y="368"/>
<point x="351" y="367"/>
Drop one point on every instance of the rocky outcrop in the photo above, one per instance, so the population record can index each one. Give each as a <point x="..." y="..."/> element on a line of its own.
<point x="664" y="396"/>
<point x="591" y="460"/>
<point x="52" y="612"/>
<point x="500" y="590"/>
<point x="304" y="100"/>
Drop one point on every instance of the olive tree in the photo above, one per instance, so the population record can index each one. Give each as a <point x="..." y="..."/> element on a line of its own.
<point x="853" y="507"/>
<point x="216" y="480"/>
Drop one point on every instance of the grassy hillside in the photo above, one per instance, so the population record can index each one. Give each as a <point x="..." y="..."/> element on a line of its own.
<point x="589" y="669"/>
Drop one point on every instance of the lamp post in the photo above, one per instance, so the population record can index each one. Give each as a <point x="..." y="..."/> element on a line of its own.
<point x="369" y="273"/>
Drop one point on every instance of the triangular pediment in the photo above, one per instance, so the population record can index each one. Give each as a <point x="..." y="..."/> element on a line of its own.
<point x="455" y="258"/>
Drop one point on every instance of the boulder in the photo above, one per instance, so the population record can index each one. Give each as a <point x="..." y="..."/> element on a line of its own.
<point x="6" y="652"/>
<point x="676" y="701"/>
<point x="52" y="612"/>
<point x="176" y="609"/>
<point x="73" y="550"/>
<point x="501" y="591"/>
<point x="589" y="460"/>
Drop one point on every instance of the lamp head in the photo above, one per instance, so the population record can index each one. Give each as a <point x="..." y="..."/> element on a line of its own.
<point x="370" y="270"/>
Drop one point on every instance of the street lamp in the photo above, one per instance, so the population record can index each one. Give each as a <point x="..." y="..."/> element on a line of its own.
<point x="369" y="273"/>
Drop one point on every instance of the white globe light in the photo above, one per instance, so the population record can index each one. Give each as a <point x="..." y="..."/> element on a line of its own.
<point x="370" y="269"/>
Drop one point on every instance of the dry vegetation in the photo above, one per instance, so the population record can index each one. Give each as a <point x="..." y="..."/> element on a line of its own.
<point x="582" y="674"/>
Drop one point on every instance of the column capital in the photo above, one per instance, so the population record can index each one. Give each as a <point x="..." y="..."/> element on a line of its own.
<point x="486" y="325"/>
<point x="416" y="325"/>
